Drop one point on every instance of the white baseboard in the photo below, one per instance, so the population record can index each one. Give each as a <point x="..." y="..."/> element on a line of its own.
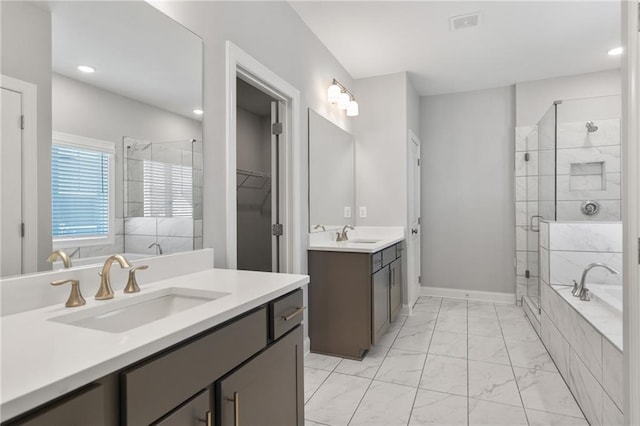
<point x="405" y="310"/>
<point x="454" y="293"/>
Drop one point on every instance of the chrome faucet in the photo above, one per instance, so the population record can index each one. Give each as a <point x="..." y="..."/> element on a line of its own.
<point x="579" y="290"/>
<point x="157" y="246"/>
<point x="342" y="236"/>
<point x="59" y="254"/>
<point x="318" y="226"/>
<point x="105" y="291"/>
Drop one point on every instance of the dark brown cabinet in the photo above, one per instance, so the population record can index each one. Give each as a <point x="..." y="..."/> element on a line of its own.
<point x="84" y="407"/>
<point x="267" y="390"/>
<point x="256" y="356"/>
<point x="195" y="412"/>
<point x="353" y="297"/>
<point x="395" y="288"/>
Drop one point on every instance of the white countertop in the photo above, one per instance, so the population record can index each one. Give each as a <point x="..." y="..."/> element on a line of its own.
<point x="377" y="238"/>
<point x="43" y="359"/>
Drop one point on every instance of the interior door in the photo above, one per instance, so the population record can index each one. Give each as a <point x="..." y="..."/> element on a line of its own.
<point x="277" y="160"/>
<point x="11" y="184"/>
<point x="413" y="243"/>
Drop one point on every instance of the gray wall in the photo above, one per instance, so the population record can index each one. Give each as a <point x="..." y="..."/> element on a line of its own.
<point x="274" y="34"/>
<point x="468" y="239"/>
<point x="533" y="98"/>
<point x="26" y="55"/>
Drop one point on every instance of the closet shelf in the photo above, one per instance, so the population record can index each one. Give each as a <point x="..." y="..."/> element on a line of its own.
<point x="250" y="179"/>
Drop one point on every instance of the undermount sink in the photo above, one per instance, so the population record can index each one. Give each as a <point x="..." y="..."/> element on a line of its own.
<point x="120" y="316"/>
<point x="364" y="241"/>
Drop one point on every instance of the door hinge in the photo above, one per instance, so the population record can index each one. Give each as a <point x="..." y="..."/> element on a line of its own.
<point x="22" y="122"/>
<point x="419" y="279"/>
<point x="526" y="156"/>
<point x="526" y="274"/>
<point x="419" y="221"/>
<point x="418" y="162"/>
<point x="22" y="229"/>
<point x="276" y="129"/>
<point x="277" y="229"/>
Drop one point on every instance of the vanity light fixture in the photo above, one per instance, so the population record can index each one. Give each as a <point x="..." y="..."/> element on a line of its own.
<point x="86" y="68"/>
<point x="340" y="96"/>
<point x="198" y="111"/>
<point x="615" y="52"/>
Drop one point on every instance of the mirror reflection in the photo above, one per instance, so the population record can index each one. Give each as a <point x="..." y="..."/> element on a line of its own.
<point x="331" y="175"/>
<point x="126" y="97"/>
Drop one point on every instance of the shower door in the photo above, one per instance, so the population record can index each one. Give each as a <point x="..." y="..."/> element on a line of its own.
<point x="541" y="195"/>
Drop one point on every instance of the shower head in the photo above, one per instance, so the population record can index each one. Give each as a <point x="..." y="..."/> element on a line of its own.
<point x="591" y="127"/>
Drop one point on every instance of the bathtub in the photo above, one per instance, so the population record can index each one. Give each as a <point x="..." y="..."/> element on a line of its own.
<point x="607" y="294"/>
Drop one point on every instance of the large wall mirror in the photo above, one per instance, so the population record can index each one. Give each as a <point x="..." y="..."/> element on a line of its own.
<point x="331" y="175"/>
<point x="126" y="90"/>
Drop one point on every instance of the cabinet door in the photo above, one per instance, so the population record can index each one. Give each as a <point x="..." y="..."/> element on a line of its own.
<point x="267" y="390"/>
<point x="82" y="408"/>
<point x="395" y="288"/>
<point x="195" y="412"/>
<point x="380" y="283"/>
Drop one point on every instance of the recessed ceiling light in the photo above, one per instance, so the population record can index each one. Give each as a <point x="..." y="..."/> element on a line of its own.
<point x="615" y="52"/>
<point x="86" y="68"/>
<point x="198" y="111"/>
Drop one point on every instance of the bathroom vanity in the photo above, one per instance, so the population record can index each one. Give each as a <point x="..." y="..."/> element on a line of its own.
<point x="356" y="293"/>
<point x="234" y="359"/>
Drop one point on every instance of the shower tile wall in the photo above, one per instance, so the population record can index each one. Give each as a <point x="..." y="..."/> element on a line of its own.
<point x="174" y="234"/>
<point x="598" y="153"/>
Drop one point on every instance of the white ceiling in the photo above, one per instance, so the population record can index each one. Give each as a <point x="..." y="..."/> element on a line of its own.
<point x="137" y="52"/>
<point x="516" y="41"/>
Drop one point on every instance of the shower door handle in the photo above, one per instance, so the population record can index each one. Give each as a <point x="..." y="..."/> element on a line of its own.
<point x="531" y="227"/>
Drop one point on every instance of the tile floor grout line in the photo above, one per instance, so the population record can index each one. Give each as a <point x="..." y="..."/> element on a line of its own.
<point x="515" y="379"/>
<point x="319" y="386"/>
<point x="413" y="404"/>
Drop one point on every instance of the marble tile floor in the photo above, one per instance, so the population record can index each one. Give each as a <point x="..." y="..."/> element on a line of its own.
<point x="451" y="362"/>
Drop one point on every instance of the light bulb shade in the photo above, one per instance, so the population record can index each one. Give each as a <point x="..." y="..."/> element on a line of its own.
<point x="343" y="101"/>
<point x="352" y="109"/>
<point x="333" y="93"/>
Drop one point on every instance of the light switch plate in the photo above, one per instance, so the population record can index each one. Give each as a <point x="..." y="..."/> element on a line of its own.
<point x="363" y="211"/>
<point x="347" y="211"/>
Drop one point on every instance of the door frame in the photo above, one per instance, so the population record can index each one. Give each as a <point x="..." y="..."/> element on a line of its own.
<point x="241" y="65"/>
<point x="412" y="294"/>
<point x="29" y="92"/>
<point x="631" y="209"/>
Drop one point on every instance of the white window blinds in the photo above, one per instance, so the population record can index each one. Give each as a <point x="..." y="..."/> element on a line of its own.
<point x="168" y="189"/>
<point x="81" y="188"/>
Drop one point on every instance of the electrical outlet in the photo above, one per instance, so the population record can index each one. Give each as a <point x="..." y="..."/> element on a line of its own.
<point x="363" y="211"/>
<point x="347" y="211"/>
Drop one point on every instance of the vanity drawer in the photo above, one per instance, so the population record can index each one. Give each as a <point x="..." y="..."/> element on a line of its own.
<point x="285" y="313"/>
<point x="376" y="262"/>
<point x="389" y="255"/>
<point x="151" y="390"/>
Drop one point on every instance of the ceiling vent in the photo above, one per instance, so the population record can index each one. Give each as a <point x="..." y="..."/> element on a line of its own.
<point x="461" y="22"/>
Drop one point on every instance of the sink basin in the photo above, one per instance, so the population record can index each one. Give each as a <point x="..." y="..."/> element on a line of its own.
<point x="364" y="241"/>
<point x="133" y="312"/>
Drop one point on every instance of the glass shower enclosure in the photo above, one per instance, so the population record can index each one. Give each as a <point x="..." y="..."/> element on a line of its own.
<point x="569" y="170"/>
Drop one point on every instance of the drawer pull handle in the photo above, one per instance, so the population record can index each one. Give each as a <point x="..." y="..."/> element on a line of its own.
<point x="207" y="419"/>
<point x="294" y="314"/>
<point x="236" y="408"/>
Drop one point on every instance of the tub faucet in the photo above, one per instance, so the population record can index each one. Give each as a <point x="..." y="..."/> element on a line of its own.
<point x="157" y="246"/>
<point x="59" y="254"/>
<point x="579" y="290"/>
<point x="105" y="291"/>
<point x="342" y="236"/>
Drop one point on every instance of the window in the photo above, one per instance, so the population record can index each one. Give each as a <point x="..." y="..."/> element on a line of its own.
<point x="82" y="186"/>
<point x="168" y="189"/>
